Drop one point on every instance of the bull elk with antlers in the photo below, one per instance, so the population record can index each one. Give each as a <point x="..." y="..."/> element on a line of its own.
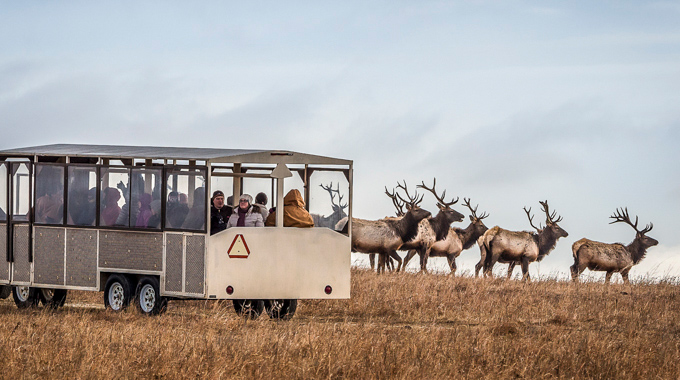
<point x="457" y="240"/>
<point x="498" y="244"/>
<point x="614" y="257"/>
<point x="385" y="236"/>
<point x="338" y="208"/>
<point x="433" y="230"/>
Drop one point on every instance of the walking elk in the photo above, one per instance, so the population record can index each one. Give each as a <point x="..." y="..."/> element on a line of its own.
<point x="614" y="257"/>
<point x="457" y="240"/>
<point x="385" y="236"/>
<point x="498" y="244"/>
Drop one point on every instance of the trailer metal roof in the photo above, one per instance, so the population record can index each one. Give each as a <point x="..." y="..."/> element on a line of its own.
<point x="212" y="155"/>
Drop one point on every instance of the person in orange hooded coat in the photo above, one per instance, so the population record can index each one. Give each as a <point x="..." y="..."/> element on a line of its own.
<point x="294" y="213"/>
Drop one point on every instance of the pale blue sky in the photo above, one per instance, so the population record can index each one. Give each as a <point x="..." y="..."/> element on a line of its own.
<point x="505" y="102"/>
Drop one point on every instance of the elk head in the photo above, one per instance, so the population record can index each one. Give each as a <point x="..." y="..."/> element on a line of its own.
<point x="475" y="220"/>
<point x="337" y="207"/>
<point x="621" y="215"/>
<point x="413" y="203"/>
<point x="551" y="222"/>
<point x="444" y="207"/>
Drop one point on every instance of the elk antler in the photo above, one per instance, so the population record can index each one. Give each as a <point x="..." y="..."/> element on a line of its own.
<point x="549" y="218"/>
<point x="413" y="200"/>
<point x="466" y="202"/>
<point x="397" y="203"/>
<point x="330" y="190"/>
<point x="621" y="215"/>
<point x="531" y="218"/>
<point x="439" y="199"/>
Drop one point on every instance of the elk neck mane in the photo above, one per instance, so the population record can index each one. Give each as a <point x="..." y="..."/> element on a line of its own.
<point x="546" y="241"/>
<point x="466" y="236"/>
<point x="637" y="250"/>
<point x="439" y="226"/>
<point x="406" y="227"/>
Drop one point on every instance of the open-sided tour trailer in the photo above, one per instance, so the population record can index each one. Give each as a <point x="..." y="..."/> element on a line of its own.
<point x="79" y="217"/>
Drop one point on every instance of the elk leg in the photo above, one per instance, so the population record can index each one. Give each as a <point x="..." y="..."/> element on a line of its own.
<point x="381" y="263"/>
<point x="608" y="277"/>
<point x="525" y="269"/>
<point x="452" y="263"/>
<point x="624" y="275"/>
<point x="408" y="257"/>
<point x="478" y="266"/>
<point x="371" y="259"/>
<point x="511" y="268"/>
<point x="396" y="256"/>
<point x="575" y="272"/>
<point x="423" y="260"/>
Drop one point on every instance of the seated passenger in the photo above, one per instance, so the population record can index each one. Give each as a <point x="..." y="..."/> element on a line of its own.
<point x="195" y="219"/>
<point x="49" y="208"/>
<point x="294" y="213"/>
<point x="261" y="202"/>
<point x="176" y="210"/>
<point x="219" y="213"/>
<point x="82" y="207"/>
<point x="144" y="210"/>
<point x="246" y="214"/>
<point x="111" y="209"/>
<point x="155" y="218"/>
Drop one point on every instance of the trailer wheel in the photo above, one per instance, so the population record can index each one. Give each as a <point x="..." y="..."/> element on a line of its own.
<point x="117" y="292"/>
<point x="24" y="297"/>
<point x="280" y="309"/>
<point x="52" y="298"/>
<point x="5" y="291"/>
<point x="148" y="297"/>
<point x="251" y="309"/>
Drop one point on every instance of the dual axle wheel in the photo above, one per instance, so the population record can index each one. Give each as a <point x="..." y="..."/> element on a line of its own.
<point x="147" y="295"/>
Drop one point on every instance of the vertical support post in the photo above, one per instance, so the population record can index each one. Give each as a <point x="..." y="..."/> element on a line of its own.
<point x="279" y="202"/>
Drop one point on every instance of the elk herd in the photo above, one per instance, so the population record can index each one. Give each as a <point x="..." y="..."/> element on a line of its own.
<point x="417" y="232"/>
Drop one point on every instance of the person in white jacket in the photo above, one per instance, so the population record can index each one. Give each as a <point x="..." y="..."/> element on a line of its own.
<point x="246" y="214"/>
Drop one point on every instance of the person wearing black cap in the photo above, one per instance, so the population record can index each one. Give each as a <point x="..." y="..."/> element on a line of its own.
<point x="219" y="213"/>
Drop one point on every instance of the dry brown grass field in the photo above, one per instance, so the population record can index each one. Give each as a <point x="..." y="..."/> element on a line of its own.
<point x="395" y="326"/>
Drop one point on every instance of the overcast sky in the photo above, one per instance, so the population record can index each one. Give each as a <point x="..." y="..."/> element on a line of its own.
<point x="507" y="103"/>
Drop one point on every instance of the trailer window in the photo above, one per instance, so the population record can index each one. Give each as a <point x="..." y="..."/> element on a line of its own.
<point x="3" y="192"/>
<point x="82" y="195"/>
<point x="146" y="189"/>
<point x="328" y="198"/>
<point x="49" y="194"/>
<point x="21" y="195"/>
<point x="185" y="206"/>
<point x="115" y="195"/>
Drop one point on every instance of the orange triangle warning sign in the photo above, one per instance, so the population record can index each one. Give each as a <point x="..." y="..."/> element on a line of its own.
<point x="239" y="248"/>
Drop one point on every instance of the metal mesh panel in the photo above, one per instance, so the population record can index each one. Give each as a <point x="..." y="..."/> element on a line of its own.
<point x="174" y="247"/>
<point x="81" y="258"/>
<point x="48" y="256"/>
<point x="131" y="250"/>
<point x="22" y="268"/>
<point x="4" y="265"/>
<point x="195" y="264"/>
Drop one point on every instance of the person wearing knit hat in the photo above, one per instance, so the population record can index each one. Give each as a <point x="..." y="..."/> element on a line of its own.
<point x="246" y="214"/>
<point x="219" y="213"/>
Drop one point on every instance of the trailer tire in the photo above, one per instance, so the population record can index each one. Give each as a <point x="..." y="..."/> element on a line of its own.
<point x="24" y="297"/>
<point x="5" y="291"/>
<point x="52" y="298"/>
<point x="148" y="297"/>
<point x="280" y="309"/>
<point x="117" y="292"/>
<point x="251" y="309"/>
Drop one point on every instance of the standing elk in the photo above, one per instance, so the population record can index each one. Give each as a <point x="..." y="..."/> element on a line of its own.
<point x="385" y="236"/>
<point x="457" y="240"/>
<point x="498" y="244"/>
<point x="433" y="230"/>
<point x="338" y="209"/>
<point x="614" y="257"/>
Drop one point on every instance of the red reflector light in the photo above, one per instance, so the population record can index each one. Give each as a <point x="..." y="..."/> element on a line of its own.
<point x="230" y="290"/>
<point x="328" y="289"/>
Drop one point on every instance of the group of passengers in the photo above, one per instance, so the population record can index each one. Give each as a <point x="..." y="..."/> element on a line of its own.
<point x="249" y="214"/>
